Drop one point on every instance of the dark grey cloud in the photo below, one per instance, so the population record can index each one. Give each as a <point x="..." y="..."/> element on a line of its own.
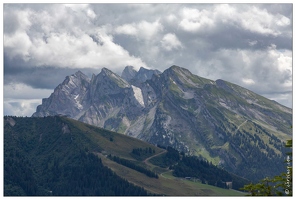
<point x="46" y="77"/>
<point x="247" y="44"/>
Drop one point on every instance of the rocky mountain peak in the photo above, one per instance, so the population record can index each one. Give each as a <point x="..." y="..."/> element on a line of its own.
<point x="147" y="73"/>
<point x="106" y="71"/>
<point x="216" y="119"/>
<point x="185" y="77"/>
<point x="137" y="77"/>
<point x="143" y="70"/>
<point x="75" y="80"/>
<point x="81" y="75"/>
<point x="128" y="73"/>
<point x="179" y="70"/>
<point x="113" y="77"/>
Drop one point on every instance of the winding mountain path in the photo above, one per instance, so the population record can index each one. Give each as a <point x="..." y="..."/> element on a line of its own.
<point x="147" y="159"/>
<point x="241" y="125"/>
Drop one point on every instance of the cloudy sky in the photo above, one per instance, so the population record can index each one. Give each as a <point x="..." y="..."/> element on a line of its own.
<point x="246" y="44"/>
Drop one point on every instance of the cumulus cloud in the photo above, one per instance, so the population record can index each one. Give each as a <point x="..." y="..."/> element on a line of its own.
<point x="81" y="51"/>
<point x="143" y="30"/>
<point x="194" y="20"/>
<point x="170" y="41"/>
<point x="18" y="44"/>
<point x="250" y="18"/>
<point x="171" y="18"/>
<point x="84" y="8"/>
<point x="127" y="29"/>
<point x="66" y="37"/>
<point x="247" y="44"/>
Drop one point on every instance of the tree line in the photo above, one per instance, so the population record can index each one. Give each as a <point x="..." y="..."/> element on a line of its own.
<point x="206" y="172"/>
<point x="171" y="157"/>
<point x="142" y="153"/>
<point x="133" y="166"/>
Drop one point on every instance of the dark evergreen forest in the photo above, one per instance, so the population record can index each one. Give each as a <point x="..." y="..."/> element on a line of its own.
<point x="41" y="160"/>
<point x="206" y="172"/>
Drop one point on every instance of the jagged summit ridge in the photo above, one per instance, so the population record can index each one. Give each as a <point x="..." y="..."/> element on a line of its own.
<point x="146" y="74"/>
<point x="217" y="120"/>
<point x="137" y="77"/>
<point x="106" y="73"/>
<point x="81" y="75"/>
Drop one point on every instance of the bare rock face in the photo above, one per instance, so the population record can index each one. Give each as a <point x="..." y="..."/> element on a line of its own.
<point x="137" y="78"/>
<point x="68" y="98"/>
<point x="217" y="120"/>
<point x="128" y="73"/>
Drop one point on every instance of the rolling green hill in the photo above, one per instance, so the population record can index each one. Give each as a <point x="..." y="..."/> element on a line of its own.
<point x="61" y="156"/>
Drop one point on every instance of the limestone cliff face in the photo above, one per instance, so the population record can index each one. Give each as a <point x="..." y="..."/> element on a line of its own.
<point x="69" y="98"/>
<point x="220" y="121"/>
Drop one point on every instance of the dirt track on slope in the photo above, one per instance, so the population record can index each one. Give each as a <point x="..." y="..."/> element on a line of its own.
<point x="147" y="159"/>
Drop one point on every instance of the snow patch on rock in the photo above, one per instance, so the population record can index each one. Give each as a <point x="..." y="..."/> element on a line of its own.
<point x="138" y="95"/>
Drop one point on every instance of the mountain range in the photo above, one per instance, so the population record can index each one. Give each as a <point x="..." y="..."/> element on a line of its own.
<point x="219" y="121"/>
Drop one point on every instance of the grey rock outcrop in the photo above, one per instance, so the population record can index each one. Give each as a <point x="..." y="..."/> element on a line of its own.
<point x="128" y="73"/>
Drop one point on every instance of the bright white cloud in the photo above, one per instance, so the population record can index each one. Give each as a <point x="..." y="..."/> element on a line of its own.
<point x="224" y="12"/>
<point x="257" y="20"/>
<point x="248" y="81"/>
<point x="82" y="8"/>
<point x="76" y="6"/>
<point x="282" y="58"/>
<point x="66" y="50"/>
<point x="91" y="14"/>
<point x="260" y="21"/>
<point x="127" y="29"/>
<point x="282" y="20"/>
<point x="148" y="30"/>
<point x="21" y="19"/>
<point x="142" y="30"/>
<point x="170" y="42"/>
<point x="63" y="39"/>
<point x="171" y="18"/>
<point x="250" y="18"/>
<point x="18" y="44"/>
<point x="194" y="20"/>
